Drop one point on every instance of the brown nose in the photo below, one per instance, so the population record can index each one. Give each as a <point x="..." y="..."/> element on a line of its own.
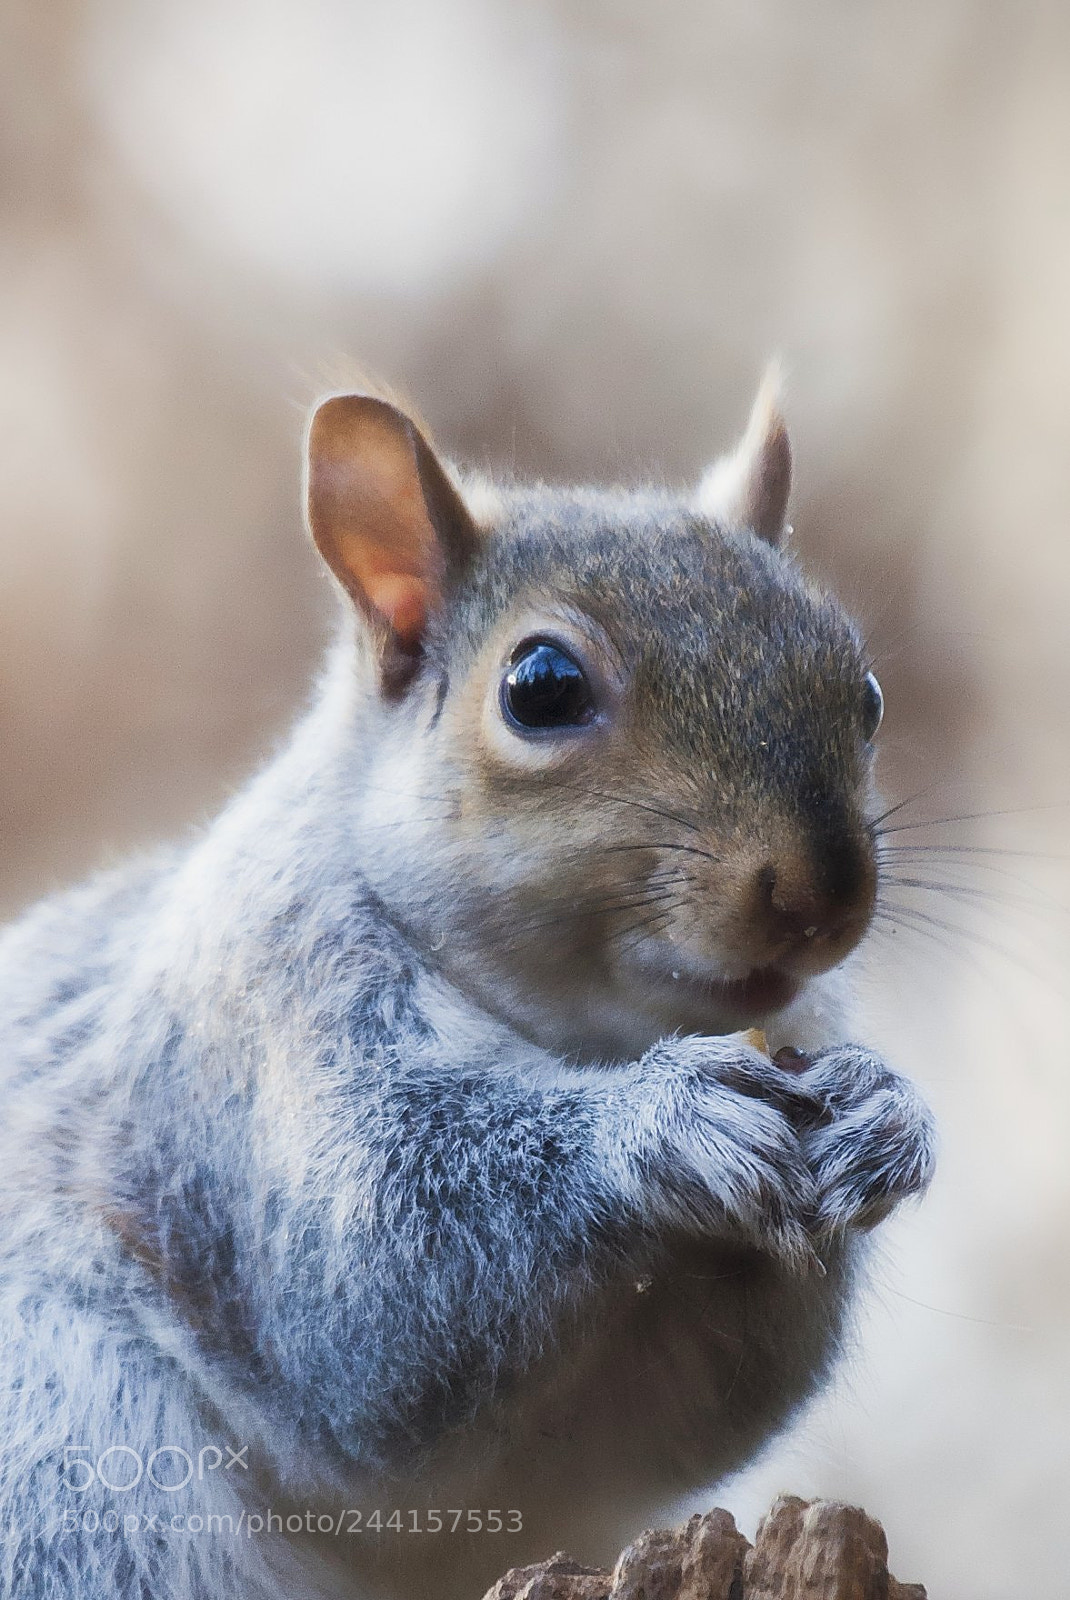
<point x="818" y="907"/>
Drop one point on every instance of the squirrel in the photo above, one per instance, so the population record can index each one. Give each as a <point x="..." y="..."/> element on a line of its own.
<point x="391" y="1191"/>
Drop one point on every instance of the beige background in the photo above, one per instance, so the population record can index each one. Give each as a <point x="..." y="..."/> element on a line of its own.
<point x="573" y="232"/>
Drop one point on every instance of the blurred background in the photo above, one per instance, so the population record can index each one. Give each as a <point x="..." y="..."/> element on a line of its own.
<point x="573" y="233"/>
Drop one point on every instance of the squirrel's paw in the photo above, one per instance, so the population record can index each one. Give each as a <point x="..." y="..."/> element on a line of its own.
<point x="726" y="1154"/>
<point x="873" y="1143"/>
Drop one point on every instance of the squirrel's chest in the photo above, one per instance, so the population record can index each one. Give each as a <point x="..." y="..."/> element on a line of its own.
<point x="646" y="1401"/>
<point x="668" y="1389"/>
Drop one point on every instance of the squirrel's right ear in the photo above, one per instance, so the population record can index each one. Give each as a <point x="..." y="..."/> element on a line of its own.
<point x="750" y="487"/>
<point x="385" y="517"/>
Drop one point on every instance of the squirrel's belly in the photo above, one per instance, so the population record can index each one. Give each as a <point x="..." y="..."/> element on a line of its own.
<point x="681" y="1380"/>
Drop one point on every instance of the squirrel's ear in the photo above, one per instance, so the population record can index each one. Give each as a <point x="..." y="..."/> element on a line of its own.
<point x="750" y="487"/>
<point x="384" y="516"/>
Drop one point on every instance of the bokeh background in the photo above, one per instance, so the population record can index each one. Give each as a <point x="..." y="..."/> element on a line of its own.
<point x="573" y="233"/>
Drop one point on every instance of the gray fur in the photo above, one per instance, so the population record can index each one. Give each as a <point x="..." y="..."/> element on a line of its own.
<point x="270" y="1178"/>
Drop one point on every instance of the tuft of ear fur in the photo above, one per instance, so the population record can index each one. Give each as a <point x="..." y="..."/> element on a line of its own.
<point x="485" y="501"/>
<point x="750" y="487"/>
<point x="386" y="518"/>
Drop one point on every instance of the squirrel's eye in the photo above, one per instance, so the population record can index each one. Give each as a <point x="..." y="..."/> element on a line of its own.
<point x="872" y="706"/>
<point x="545" y="688"/>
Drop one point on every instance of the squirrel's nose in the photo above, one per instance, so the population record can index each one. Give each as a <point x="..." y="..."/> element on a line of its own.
<point x="819" y="905"/>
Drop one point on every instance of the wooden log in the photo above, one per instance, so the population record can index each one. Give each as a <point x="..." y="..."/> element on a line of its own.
<point x="803" y="1550"/>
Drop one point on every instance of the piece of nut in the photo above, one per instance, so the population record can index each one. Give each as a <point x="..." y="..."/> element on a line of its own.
<point x="755" y="1037"/>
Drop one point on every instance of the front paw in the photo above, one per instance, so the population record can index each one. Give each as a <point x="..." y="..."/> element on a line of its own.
<point x="873" y="1143"/>
<point x="719" y="1144"/>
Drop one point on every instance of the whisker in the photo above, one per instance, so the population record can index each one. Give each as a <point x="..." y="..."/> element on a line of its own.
<point x="917" y="860"/>
<point x="926" y="922"/>
<point x="626" y="938"/>
<point x="960" y="1316"/>
<point x="873" y="824"/>
<point x="625" y="800"/>
<point x="987" y="898"/>
<point x="372" y="827"/>
<point x="686" y="849"/>
<point x="938" y="849"/>
<point x="970" y="859"/>
<point x="628" y="901"/>
<point x="886" y="921"/>
<point x="398" y="794"/>
<point x="974" y="816"/>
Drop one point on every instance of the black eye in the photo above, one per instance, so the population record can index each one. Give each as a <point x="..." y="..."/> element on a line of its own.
<point x="545" y="688"/>
<point x="872" y="706"/>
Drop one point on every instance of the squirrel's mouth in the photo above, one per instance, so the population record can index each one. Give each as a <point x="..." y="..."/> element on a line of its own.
<point x="743" y="1000"/>
<point x="763" y="990"/>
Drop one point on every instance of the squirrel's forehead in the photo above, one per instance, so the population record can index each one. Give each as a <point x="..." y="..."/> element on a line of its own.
<point x="667" y="586"/>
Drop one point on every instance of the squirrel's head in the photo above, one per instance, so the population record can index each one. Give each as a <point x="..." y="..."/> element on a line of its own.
<point x="614" y="775"/>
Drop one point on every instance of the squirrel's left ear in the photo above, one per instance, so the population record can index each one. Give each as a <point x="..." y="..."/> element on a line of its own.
<point x="386" y="519"/>
<point x="750" y="487"/>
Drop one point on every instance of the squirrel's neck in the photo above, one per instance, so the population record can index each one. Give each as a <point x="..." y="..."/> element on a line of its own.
<point x="283" y="849"/>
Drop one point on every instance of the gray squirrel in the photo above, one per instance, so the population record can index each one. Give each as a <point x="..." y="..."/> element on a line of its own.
<point x="391" y="1191"/>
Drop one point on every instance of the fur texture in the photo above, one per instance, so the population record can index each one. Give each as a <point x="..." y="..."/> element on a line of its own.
<point x="308" y="1160"/>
